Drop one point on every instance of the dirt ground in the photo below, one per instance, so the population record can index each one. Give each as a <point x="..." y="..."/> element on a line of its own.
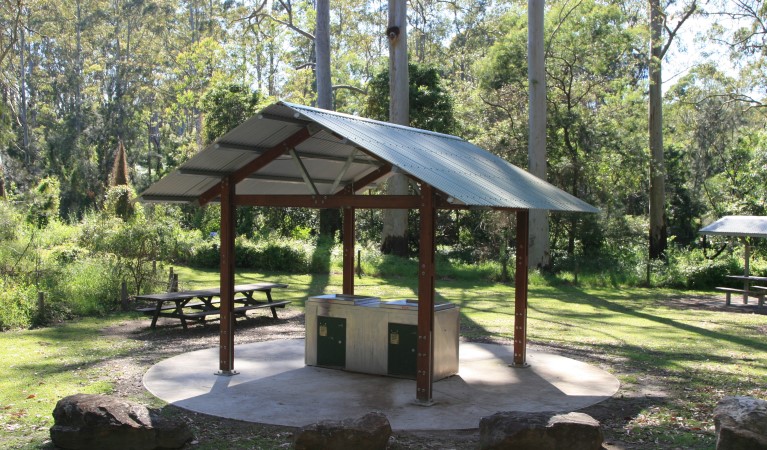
<point x="170" y="339"/>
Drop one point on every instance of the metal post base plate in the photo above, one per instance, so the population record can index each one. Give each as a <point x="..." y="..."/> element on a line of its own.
<point x="226" y="373"/>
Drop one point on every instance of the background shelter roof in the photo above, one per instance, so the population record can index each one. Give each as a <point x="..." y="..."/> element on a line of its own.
<point x="343" y="150"/>
<point x="746" y="226"/>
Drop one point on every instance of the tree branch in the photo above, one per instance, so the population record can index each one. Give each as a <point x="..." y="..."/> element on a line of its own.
<point x="260" y="13"/>
<point x="672" y="33"/>
<point x="349" y="87"/>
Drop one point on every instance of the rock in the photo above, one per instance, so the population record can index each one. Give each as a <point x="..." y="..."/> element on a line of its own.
<point x="369" y="432"/>
<point x="516" y="430"/>
<point x="84" y="421"/>
<point x="741" y="423"/>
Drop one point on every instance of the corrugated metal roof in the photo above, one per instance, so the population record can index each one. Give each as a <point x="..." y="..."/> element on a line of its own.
<point x="455" y="167"/>
<point x="747" y="226"/>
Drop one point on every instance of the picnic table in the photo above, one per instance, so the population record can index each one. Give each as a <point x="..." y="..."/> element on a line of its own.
<point x="200" y="303"/>
<point x="749" y="289"/>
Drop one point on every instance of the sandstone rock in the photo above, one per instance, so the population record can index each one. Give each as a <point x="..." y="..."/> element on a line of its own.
<point x="741" y="424"/>
<point x="516" y="430"/>
<point x="84" y="421"/>
<point x="369" y="432"/>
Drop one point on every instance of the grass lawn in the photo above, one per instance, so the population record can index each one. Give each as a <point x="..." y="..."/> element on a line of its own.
<point x="674" y="357"/>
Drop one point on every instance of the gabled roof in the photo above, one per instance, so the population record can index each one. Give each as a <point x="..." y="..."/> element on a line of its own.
<point x="343" y="149"/>
<point x="747" y="226"/>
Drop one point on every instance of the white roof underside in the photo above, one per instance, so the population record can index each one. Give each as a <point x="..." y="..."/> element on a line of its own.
<point x="747" y="226"/>
<point x="345" y="148"/>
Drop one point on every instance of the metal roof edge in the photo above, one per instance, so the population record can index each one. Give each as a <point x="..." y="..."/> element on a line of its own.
<point x="299" y="108"/>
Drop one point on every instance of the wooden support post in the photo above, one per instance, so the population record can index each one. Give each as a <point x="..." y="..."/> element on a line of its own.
<point x="170" y="280"/>
<point x="226" y="345"/>
<point x="426" y="270"/>
<point x="746" y="268"/>
<point x="520" y="291"/>
<point x="348" y="242"/>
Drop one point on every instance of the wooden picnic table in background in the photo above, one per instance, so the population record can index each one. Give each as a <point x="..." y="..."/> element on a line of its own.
<point x="200" y="303"/>
<point x="749" y="289"/>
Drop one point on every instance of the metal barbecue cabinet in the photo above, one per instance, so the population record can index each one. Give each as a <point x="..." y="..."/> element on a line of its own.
<point x="379" y="337"/>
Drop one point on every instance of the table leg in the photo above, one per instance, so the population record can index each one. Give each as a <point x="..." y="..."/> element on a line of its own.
<point x="745" y="295"/>
<point x="180" y="311"/>
<point x="269" y="300"/>
<point x="156" y="314"/>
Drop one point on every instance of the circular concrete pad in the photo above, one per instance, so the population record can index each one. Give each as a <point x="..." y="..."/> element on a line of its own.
<point x="275" y="387"/>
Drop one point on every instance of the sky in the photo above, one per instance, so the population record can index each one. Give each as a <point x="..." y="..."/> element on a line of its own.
<point x="692" y="47"/>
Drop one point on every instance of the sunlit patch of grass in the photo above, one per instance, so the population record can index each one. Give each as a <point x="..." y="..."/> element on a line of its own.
<point x="42" y="366"/>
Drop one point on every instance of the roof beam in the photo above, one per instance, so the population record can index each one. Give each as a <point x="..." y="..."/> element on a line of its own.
<point x="366" y="180"/>
<point x="293" y="119"/>
<point x="304" y="154"/>
<point x="255" y="176"/>
<point x="331" y="201"/>
<point x="258" y="163"/>
<point x="167" y="198"/>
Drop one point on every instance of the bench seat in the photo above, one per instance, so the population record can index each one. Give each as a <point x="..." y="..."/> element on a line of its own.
<point x="237" y="310"/>
<point x="196" y="305"/>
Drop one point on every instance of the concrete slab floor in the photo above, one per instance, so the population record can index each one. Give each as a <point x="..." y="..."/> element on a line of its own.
<point x="275" y="387"/>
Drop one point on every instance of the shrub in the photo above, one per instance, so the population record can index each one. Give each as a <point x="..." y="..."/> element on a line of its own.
<point x="692" y="270"/>
<point x="88" y="287"/>
<point x="17" y="304"/>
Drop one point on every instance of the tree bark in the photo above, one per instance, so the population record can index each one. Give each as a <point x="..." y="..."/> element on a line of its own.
<point x="322" y="52"/>
<point x="657" y="162"/>
<point x="330" y="219"/>
<point x="536" y="151"/>
<point x="23" y="95"/>
<point x="394" y="235"/>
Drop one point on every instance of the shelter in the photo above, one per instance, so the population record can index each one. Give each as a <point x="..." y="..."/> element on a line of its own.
<point x="297" y="156"/>
<point x="739" y="226"/>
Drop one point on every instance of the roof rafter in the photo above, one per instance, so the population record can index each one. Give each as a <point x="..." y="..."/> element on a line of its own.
<point x="331" y="201"/>
<point x="258" y="163"/>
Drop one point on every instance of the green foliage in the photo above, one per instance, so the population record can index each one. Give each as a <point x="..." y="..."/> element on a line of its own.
<point x="43" y="202"/>
<point x="120" y="201"/>
<point x="226" y="106"/>
<point x="88" y="287"/>
<point x="137" y="243"/>
<point x="10" y="221"/>
<point x="275" y="254"/>
<point x="431" y="107"/>
<point x="18" y="303"/>
<point x="691" y="269"/>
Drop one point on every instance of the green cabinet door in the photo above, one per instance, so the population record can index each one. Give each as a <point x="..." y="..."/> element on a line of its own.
<point x="331" y="341"/>
<point x="403" y="340"/>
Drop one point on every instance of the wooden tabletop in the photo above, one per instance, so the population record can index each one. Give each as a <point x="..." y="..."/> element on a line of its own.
<point x="209" y="292"/>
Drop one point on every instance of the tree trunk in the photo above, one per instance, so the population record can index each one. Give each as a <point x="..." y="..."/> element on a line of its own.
<point x="538" y="255"/>
<point x="322" y="52"/>
<point x="330" y="219"/>
<point x="394" y="235"/>
<point x="78" y="71"/>
<point x="657" y="163"/>
<point x="23" y="94"/>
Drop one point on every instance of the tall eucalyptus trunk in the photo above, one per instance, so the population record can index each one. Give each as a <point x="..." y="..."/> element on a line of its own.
<point x="394" y="235"/>
<point x="657" y="162"/>
<point x="330" y="219"/>
<point x="536" y="150"/>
